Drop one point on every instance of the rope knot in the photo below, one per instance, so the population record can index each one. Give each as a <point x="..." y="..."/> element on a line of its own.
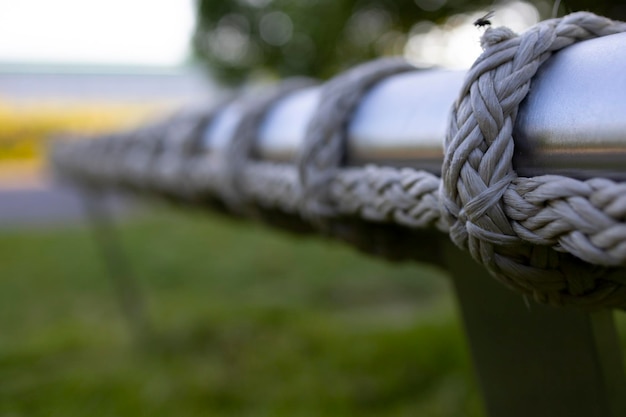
<point x="493" y="36"/>
<point x="478" y="171"/>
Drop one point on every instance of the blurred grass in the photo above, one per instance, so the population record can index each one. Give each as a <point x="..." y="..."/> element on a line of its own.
<point x="247" y="322"/>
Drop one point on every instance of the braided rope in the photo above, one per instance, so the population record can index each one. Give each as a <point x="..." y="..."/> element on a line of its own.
<point x="585" y="218"/>
<point x="240" y="148"/>
<point x="325" y="140"/>
<point x="181" y="141"/>
<point x="550" y="237"/>
<point x="478" y="169"/>
<point x="404" y="196"/>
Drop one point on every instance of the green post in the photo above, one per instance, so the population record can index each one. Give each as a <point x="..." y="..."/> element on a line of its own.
<point x="127" y="289"/>
<point x="536" y="360"/>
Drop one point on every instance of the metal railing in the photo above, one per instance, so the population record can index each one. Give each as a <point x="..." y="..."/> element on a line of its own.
<point x="572" y="122"/>
<point x="531" y="359"/>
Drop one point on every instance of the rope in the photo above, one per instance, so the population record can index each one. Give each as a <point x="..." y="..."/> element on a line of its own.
<point x="181" y="141"/>
<point x="404" y="196"/>
<point x="553" y="238"/>
<point x="240" y="149"/>
<point x="324" y="147"/>
<point x="478" y="171"/>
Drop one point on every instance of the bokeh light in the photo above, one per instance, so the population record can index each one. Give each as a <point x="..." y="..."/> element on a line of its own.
<point x="455" y="43"/>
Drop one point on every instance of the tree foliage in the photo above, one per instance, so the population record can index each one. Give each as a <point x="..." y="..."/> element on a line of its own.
<point x="318" y="38"/>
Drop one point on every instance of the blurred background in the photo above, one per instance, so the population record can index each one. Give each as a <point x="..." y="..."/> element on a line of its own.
<point x="239" y="320"/>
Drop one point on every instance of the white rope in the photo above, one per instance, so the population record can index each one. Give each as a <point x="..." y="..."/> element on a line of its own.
<point x="324" y="149"/>
<point x="180" y="142"/>
<point x="478" y="171"/>
<point x="240" y="150"/>
<point x="553" y="238"/>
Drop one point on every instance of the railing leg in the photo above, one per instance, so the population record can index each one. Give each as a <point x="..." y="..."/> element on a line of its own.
<point x="126" y="287"/>
<point x="535" y="360"/>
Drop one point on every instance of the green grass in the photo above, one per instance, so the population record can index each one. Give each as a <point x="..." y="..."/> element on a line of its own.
<point x="245" y="322"/>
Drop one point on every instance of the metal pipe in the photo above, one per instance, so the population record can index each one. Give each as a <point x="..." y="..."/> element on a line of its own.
<point x="572" y="122"/>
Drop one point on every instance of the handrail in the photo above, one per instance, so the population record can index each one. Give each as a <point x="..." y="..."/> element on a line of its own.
<point x="571" y="123"/>
<point x="247" y="154"/>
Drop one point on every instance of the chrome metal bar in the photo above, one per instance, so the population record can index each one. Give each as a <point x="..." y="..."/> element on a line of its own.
<point x="572" y="122"/>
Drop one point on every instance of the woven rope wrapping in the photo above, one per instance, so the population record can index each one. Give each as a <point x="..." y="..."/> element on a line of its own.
<point x="325" y="139"/>
<point x="240" y="149"/>
<point x="585" y="218"/>
<point x="534" y="234"/>
<point x="480" y="191"/>
<point x="382" y="194"/>
<point x="103" y="159"/>
<point x="136" y="161"/>
<point x="181" y="142"/>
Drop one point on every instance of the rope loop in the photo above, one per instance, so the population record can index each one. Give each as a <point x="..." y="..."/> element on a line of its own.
<point x="241" y="146"/>
<point x="558" y="240"/>
<point x="478" y="171"/>
<point x="182" y="139"/>
<point x="324" y="148"/>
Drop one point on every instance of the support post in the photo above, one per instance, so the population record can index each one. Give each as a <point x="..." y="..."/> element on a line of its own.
<point x="536" y="360"/>
<point x="127" y="289"/>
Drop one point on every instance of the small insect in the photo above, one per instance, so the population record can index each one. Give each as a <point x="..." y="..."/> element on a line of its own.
<point x="484" y="21"/>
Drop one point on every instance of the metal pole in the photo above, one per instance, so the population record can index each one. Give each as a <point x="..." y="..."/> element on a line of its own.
<point x="571" y="122"/>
